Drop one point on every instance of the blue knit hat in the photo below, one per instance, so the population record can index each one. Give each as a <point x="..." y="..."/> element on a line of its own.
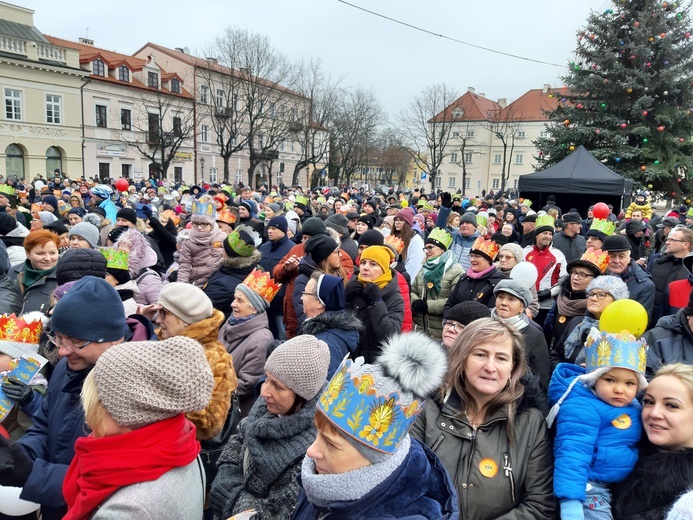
<point x="330" y="291"/>
<point x="279" y="222"/>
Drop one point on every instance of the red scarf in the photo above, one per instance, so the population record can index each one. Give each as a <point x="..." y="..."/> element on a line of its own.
<point x="102" y="466"/>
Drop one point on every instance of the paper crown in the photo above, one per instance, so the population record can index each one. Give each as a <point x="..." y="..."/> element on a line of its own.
<point x="226" y="215"/>
<point x="421" y="203"/>
<point x="203" y="208"/>
<point x="261" y="283"/>
<point x="488" y="248"/>
<point x="545" y="221"/>
<point x="19" y="335"/>
<point x="395" y="243"/>
<point x="239" y="244"/>
<point x="441" y="237"/>
<point x="622" y="350"/>
<point x="601" y="224"/>
<point x="116" y="258"/>
<point x="7" y="189"/>
<point x="353" y="405"/>
<point x="482" y="219"/>
<point x="527" y="203"/>
<point x="689" y="213"/>
<point x="427" y="207"/>
<point x="172" y="215"/>
<point x="596" y="257"/>
<point x="301" y="199"/>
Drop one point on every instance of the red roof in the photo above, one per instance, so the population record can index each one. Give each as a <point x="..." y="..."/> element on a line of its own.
<point x="532" y="105"/>
<point x="474" y="108"/>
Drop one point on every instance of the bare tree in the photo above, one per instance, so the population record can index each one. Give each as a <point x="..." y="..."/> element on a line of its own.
<point x="160" y="127"/>
<point x="465" y="149"/>
<point x="504" y="124"/>
<point x="393" y="158"/>
<point x="426" y="127"/>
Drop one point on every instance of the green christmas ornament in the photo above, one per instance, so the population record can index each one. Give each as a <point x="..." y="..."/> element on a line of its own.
<point x="644" y="140"/>
<point x="656" y="163"/>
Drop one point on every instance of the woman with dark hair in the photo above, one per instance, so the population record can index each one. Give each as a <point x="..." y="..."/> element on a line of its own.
<point x="487" y="427"/>
<point x="413" y="254"/>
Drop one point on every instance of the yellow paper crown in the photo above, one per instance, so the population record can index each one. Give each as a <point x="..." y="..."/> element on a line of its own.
<point x="395" y="243"/>
<point x="545" y="221"/>
<point x="20" y="330"/>
<point x="604" y="225"/>
<point x="596" y="257"/>
<point x="488" y="248"/>
<point x="261" y="283"/>
<point x="441" y="236"/>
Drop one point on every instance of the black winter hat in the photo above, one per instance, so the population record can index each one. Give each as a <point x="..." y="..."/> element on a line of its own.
<point x="319" y="247"/>
<point x="339" y="223"/>
<point x="75" y="264"/>
<point x="279" y="222"/>
<point x="468" y="311"/>
<point x="127" y="214"/>
<point x="372" y="237"/>
<point x="7" y="223"/>
<point x="314" y="226"/>
<point x="616" y="243"/>
<point x="369" y="220"/>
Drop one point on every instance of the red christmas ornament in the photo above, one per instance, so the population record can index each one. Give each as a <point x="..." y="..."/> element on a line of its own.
<point x="644" y="113"/>
<point x="600" y="210"/>
<point x="660" y="129"/>
<point x="597" y="131"/>
<point x="637" y="24"/>
<point x="623" y="125"/>
<point x="643" y="167"/>
<point x="579" y="105"/>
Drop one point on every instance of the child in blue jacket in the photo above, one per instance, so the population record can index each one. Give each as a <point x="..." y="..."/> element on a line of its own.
<point x="598" y="422"/>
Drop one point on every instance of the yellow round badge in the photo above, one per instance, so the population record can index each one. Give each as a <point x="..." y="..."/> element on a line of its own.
<point x="622" y="422"/>
<point x="488" y="468"/>
<point x="561" y="319"/>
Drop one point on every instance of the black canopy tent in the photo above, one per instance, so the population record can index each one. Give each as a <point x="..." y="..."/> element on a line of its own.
<point x="578" y="181"/>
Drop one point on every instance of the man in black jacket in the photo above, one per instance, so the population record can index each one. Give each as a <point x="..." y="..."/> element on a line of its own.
<point x="669" y="267"/>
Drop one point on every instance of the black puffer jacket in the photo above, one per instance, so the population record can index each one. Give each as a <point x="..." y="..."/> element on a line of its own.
<point x="340" y="330"/>
<point x="35" y="298"/>
<point x="665" y="269"/>
<point x="78" y="263"/>
<point x="671" y="341"/>
<point x="478" y="289"/>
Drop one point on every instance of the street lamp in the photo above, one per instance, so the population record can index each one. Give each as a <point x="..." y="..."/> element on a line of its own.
<point x="202" y="168"/>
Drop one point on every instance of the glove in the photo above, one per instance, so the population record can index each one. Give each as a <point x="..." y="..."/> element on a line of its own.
<point x="544" y="294"/>
<point x="16" y="472"/>
<point x="371" y="293"/>
<point x="419" y="306"/>
<point x="446" y="200"/>
<point x="18" y="391"/>
<point x="147" y="211"/>
<point x="352" y="291"/>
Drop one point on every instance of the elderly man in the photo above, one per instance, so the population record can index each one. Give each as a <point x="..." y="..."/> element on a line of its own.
<point x="570" y="242"/>
<point x="668" y="267"/>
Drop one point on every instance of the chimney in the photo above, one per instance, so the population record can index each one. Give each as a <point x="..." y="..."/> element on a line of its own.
<point x="211" y="60"/>
<point x="86" y="41"/>
<point x="471" y="90"/>
<point x="481" y="94"/>
<point x="503" y="102"/>
<point x="180" y="49"/>
<point x="546" y="88"/>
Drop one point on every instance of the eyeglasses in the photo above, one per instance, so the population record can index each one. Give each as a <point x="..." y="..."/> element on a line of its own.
<point x="161" y="313"/>
<point x="581" y="276"/>
<point x="201" y="225"/>
<point x="69" y="343"/>
<point x="454" y="325"/>
<point x="305" y="293"/>
<point x="428" y="248"/>
<point x="675" y="240"/>
<point x="505" y="257"/>
<point x="598" y="295"/>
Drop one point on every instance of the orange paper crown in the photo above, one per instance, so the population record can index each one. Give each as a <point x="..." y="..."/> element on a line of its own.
<point x="488" y="248"/>
<point x="261" y="283"/>
<point x="225" y="215"/>
<point x="395" y="243"/>
<point x="597" y="257"/>
<point x="18" y="330"/>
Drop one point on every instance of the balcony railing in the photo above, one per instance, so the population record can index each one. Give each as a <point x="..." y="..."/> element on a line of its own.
<point x="49" y="52"/>
<point x="12" y="45"/>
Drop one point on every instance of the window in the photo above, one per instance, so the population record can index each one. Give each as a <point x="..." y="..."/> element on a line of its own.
<point x="497" y="158"/>
<point x="220" y="98"/>
<point x="152" y="79"/>
<point x="544" y="133"/>
<point x="439" y="182"/>
<point x="178" y="174"/>
<point x="495" y="184"/>
<point x="104" y="171"/>
<point x="455" y="135"/>
<point x="101" y="117"/>
<point x="451" y="182"/>
<point x="212" y="175"/>
<point x="519" y="158"/>
<point x="14" y="161"/>
<point x="516" y="183"/>
<point x="470" y="134"/>
<point x="468" y="157"/>
<point x="204" y="133"/>
<point x="521" y="134"/>
<point x="175" y="86"/>
<point x="467" y="183"/>
<point x="453" y="157"/>
<point x="154" y="130"/>
<point x="125" y="170"/>
<point x="124" y="73"/>
<point x="177" y="127"/>
<point x="97" y="68"/>
<point x="292" y="147"/>
<point x="204" y="94"/>
<point x="54" y="160"/>
<point x="125" y="119"/>
<point x="273" y="110"/>
<point x="53" y="110"/>
<point x="13" y="104"/>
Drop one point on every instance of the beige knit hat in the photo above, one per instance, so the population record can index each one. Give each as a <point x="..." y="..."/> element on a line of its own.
<point x="301" y="364"/>
<point x="186" y="301"/>
<point x="144" y="382"/>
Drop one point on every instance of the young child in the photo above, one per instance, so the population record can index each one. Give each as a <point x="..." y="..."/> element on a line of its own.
<point x="201" y="255"/>
<point x="598" y="422"/>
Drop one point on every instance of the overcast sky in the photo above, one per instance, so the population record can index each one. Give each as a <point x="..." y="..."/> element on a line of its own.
<point x="394" y="61"/>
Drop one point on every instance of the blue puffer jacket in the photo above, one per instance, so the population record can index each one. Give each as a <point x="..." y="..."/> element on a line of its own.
<point x="419" y="489"/>
<point x="594" y="441"/>
<point x="340" y="330"/>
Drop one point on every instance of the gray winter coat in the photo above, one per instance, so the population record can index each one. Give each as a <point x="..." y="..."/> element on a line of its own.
<point x="572" y="248"/>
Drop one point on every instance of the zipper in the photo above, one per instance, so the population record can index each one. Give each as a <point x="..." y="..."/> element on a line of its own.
<point x="438" y="442"/>
<point x="509" y="473"/>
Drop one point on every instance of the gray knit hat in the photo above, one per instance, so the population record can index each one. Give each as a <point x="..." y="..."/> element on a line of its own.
<point x="301" y="364"/>
<point x="186" y="301"/>
<point x="516" y="288"/>
<point x="87" y="231"/>
<point x="257" y="301"/>
<point x="610" y="284"/>
<point x="515" y="249"/>
<point x="140" y="383"/>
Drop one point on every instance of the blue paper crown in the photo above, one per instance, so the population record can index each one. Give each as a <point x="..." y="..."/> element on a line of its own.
<point x="605" y="349"/>
<point x="352" y="404"/>
<point x="207" y="209"/>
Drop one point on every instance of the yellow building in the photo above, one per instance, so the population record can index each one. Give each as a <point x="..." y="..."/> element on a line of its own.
<point x="40" y="126"/>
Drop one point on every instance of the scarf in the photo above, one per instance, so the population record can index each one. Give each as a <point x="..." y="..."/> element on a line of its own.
<point x="323" y="490"/>
<point x="475" y="276"/>
<point x="381" y="281"/>
<point x="574" y="340"/>
<point x="433" y="271"/>
<point x="102" y="466"/>
<point x="571" y="303"/>
<point x="519" y="322"/>
<point x="237" y="321"/>
<point x="31" y="275"/>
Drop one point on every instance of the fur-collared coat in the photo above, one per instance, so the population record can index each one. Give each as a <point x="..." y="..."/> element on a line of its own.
<point x="211" y="420"/>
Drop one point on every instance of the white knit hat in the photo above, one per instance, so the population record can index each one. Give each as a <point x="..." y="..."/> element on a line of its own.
<point x="186" y="301"/>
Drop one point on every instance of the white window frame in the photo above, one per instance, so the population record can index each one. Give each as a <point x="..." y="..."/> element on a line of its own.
<point x="516" y="183"/>
<point x="498" y="158"/>
<point x="519" y="158"/>
<point x="221" y="98"/>
<point x="453" y="157"/>
<point x="16" y="97"/>
<point x="55" y="103"/>
<point x="521" y="134"/>
<point x="544" y="133"/>
<point x="451" y="182"/>
<point x="495" y="184"/>
<point x="212" y="174"/>
<point x="467" y="183"/>
<point x="439" y="181"/>
<point x="471" y="134"/>
<point x="204" y="133"/>
<point x="204" y="94"/>
<point x="468" y="157"/>
<point x="455" y="135"/>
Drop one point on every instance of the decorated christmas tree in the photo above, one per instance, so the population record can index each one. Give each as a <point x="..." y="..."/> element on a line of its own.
<point x="628" y="95"/>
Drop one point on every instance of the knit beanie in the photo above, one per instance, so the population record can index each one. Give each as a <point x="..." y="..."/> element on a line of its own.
<point x="143" y="382"/>
<point x="87" y="231"/>
<point x="56" y="227"/>
<point x="467" y="311"/>
<point x="50" y="199"/>
<point x="381" y="255"/>
<point x="615" y="243"/>
<point x="515" y="250"/>
<point x="319" y="247"/>
<point x="409" y="370"/>
<point x="339" y="223"/>
<point x="372" y="237"/>
<point x="77" y="211"/>
<point x="187" y="302"/>
<point x="314" y="226"/>
<point x="75" y="264"/>
<point x="47" y="217"/>
<point x="128" y="214"/>
<point x="92" y="311"/>
<point x="301" y="364"/>
<point x="115" y="233"/>
<point x="330" y="291"/>
<point x="279" y="222"/>
<point x="515" y="288"/>
<point x="407" y="215"/>
<point x="468" y="217"/>
<point x="257" y="301"/>
<point x="7" y="223"/>
<point x="369" y="220"/>
<point x="612" y="285"/>
<point x="499" y="238"/>
<point x="372" y="204"/>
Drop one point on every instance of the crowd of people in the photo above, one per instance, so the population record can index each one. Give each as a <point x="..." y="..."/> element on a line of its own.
<point x="336" y="353"/>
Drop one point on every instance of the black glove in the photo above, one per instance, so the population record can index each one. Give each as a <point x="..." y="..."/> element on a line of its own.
<point x="352" y="291"/>
<point x="17" y="391"/>
<point x="544" y="294"/>
<point x="446" y="200"/>
<point x="17" y="471"/>
<point x="419" y="306"/>
<point x="371" y="293"/>
<point x="147" y="211"/>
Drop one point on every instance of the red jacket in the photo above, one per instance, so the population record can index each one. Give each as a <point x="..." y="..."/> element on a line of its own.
<point x="408" y="323"/>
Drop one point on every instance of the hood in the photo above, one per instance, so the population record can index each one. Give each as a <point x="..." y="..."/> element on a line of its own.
<point x="343" y="320"/>
<point x="141" y="329"/>
<point x="20" y="231"/>
<point x="141" y="254"/>
<point x="130" y="285"/>
<point x="242" y="262"/>
<point x="561" y="378"/>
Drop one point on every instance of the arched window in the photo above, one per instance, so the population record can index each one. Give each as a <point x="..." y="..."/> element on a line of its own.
<point x="98" y="68"/>
<point x="54" y="159"/>
<point x="14" y="161"/>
